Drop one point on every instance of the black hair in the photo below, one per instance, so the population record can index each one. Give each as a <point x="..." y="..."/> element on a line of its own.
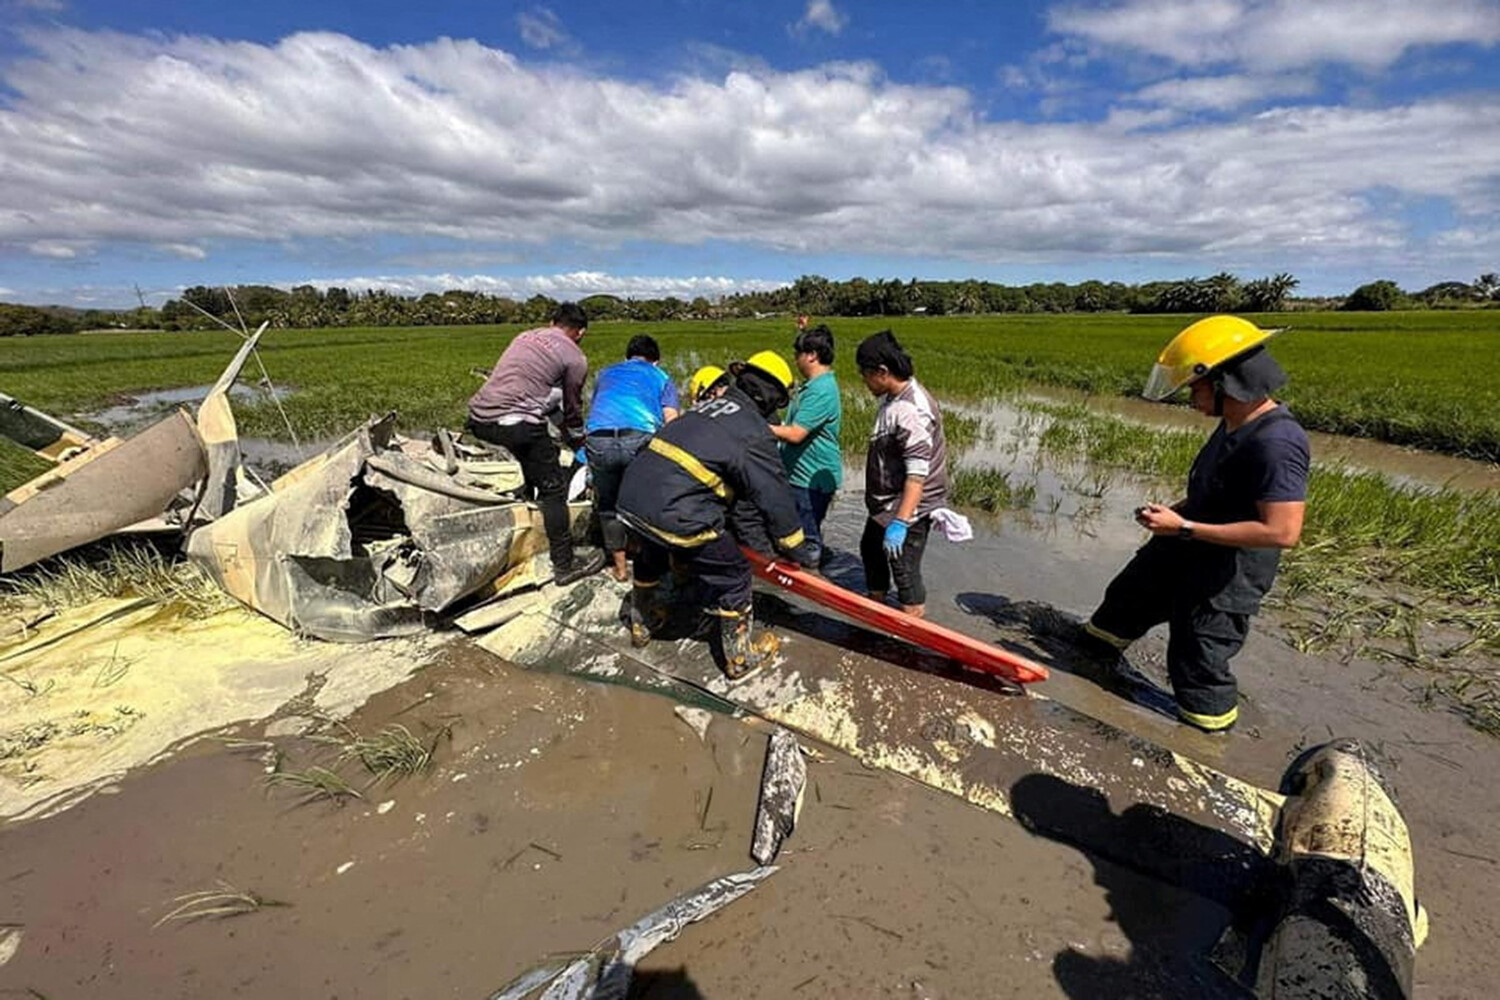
<point x="570" y="315"/>
<point x="882" y="350"/>
<point x="643" y="345"/>
<point x="817" y="340"/>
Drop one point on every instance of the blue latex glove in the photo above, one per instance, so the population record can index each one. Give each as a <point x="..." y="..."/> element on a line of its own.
<point x="895" y="539"/>
<point x="581" y="456"/>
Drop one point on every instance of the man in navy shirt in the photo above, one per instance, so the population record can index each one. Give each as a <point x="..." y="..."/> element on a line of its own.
<point x="632" y="400"/>
<point x="1213" y="554"/>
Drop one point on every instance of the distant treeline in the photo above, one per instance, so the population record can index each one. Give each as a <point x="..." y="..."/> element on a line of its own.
<point x="306" y="306"/>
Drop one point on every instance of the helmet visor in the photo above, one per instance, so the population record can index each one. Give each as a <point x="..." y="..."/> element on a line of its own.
<point x="1167" y="379"/>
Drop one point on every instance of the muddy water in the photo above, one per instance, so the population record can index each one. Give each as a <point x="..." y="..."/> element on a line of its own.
<point x="558" y="813"/>
<point x="562" y="810"/>
<point x="1442" y="770"/>
<point x="1404" y="465"/>
<point x="133" y="413"/>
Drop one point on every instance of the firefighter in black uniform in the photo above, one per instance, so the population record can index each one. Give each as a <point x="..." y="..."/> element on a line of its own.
<point x="707" y="482"/>
<point x="1214" y="554"/>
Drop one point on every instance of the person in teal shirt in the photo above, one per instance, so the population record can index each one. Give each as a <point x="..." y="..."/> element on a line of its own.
<point x="810" y="437"/>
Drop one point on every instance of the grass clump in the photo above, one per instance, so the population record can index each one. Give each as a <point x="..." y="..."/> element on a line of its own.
<point x="390" y="753"/>
<point x="990" y="489"/>
<point x="218" y="903"/>
<point x="19" y="465"/>
<point x="111" y="570"/>
<point x="315" y="783"/>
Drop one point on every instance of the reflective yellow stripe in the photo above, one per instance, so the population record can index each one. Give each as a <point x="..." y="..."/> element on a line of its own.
<point x="645" y="584"/>
<point x="1210" y="721"/>
<point x="694" y="468"/>
<point x="1099" y="633"/>
<point x="723" y="613"/>
<point x="793" y="540"/>
<point x="682" y="541"/>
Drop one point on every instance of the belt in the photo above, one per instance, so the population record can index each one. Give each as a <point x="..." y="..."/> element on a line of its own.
<point x="611" y="432"/>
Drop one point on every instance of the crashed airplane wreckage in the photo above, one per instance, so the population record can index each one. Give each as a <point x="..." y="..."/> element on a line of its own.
<point x="370" y="539"/>
<point x="380" y="535"/>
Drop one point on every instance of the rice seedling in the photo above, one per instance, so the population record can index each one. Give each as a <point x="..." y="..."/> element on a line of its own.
<point x="391" y="752"/>
<point x="315" y="783"/>
<point x="222" y="901"/>
<point x="115" y="570"/>
<point x="990" y="489"/>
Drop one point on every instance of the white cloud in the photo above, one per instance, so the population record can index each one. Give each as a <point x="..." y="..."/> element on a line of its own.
<point x="187" y="251"/>
<point x="541" y="29"/>
<point x="573" y="285"/>
<point x="1224" y="93"/>
<point x="182" y="141"/>
<point x="53" y="248"/>
<point x="822" y="15"/>
<point x="1279" y="34"/>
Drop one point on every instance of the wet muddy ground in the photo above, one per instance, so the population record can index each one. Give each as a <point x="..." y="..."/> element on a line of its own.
<point x="559" y="810"/>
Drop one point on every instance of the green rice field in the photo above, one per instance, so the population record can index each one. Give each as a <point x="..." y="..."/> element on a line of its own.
<point x="1381" y="563"/>
<point x="1429" y="379"/>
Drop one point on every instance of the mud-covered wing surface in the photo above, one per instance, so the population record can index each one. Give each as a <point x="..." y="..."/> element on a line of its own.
<point x="953" y="731"/>
<point x="102" y="490"/>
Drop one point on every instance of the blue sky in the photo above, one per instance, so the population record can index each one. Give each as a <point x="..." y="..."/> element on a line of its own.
<point x="689" y="147"/>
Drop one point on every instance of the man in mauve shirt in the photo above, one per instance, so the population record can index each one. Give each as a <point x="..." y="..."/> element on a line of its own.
<point x="510" y="410"/>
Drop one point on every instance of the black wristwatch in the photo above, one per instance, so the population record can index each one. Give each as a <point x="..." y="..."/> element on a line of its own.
<point x="1185" y="529"/>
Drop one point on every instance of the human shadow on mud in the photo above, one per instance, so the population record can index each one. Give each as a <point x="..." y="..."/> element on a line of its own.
<point x="1056" y="639"/>
<point x="1173" y="887"/>
<point x="663" y="984"/>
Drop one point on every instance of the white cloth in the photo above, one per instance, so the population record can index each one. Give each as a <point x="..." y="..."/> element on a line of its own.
<point x="954" y="526"/>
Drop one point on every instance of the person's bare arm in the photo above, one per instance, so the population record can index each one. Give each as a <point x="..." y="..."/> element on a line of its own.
<point x="1279" y="525"/>
<point x="668" y="414"/>
<point x="911" y="496"/>
<point x="790" y="433"/>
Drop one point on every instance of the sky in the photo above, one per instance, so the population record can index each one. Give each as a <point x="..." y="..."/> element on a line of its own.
<point x="703" y="147"/>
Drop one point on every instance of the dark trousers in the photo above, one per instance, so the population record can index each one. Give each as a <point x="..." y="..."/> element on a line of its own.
<point x="537" y="453"/>
<point x="609" y="453"/>
<point x="906" y="568"/>
<point x="1201" y="640"/>
<point x="812" y="508"/>
<point x="720" y="568"/>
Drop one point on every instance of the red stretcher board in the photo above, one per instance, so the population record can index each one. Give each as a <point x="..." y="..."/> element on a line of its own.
<point x="917" y="631"/>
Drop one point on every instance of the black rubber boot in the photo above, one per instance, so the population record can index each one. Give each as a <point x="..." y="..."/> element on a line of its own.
<point x="582" y="566"/>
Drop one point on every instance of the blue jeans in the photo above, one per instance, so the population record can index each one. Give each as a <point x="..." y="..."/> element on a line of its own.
<point x="609" y="453"/>
<point x="812" y="507"/>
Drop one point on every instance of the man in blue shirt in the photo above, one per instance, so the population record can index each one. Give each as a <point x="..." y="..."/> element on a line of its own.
<point x="632" y="400"/>
<point x="810" y="437"/>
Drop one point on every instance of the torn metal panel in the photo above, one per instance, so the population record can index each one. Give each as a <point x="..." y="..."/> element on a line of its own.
<point x="368" y="540"/>
<point x="101" y="491"/>
<point x="606" y="971"/>
<point x="220" y="436"/>
<point x="782" y="785"/>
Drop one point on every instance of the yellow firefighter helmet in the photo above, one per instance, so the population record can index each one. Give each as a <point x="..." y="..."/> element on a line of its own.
<point x="703" y="380"/>
<point x="773" y="365"/>
<point x="1199" y="349"/>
